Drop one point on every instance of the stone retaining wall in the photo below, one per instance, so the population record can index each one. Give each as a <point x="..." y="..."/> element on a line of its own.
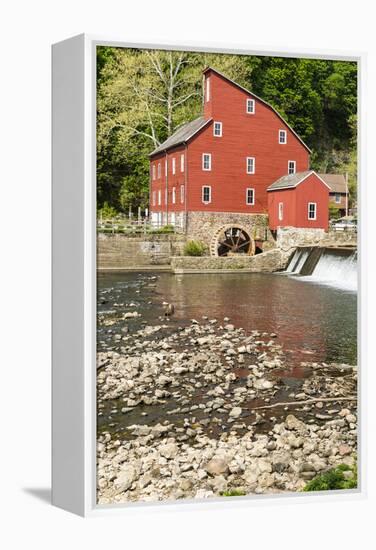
<point x="289" y="238"/>
<point x="117" y="251"/>
<point x="273" y="260"/>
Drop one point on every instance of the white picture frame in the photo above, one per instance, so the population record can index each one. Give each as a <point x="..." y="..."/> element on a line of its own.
<point x="74" y="277"/>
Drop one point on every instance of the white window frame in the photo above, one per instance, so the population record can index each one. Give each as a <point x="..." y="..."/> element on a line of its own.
<point x="182" y="163"/>
<point x="219" y="124"/>
<point x="154" y="172"/>
<point x="337" y="196"/>
<point x="159" y="197"/>
<point x="203" y="194"/>
<point x="252" y="202"/>
<point x="154" y="197"/>
<point x="280" y="211"/>
<point x="204" y="155"/>
<point x="293" y="162"/>
<point x="173" y="195"/>
<point x="314" y="204"/>
<point x="250" y="106"/>
<point x="182" y="191"/>
<point x="280" y="134"/>
<point x="252" y="169"/>
<point x="173" y="165"/>
<point x="207" y="91"/>
<point x="159" y="170"/>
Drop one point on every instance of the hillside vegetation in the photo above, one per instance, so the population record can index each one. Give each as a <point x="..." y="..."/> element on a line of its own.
<point x="143" y="96"/>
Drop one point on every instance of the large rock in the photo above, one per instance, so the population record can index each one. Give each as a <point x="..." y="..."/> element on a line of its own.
<point x="235" y="412"/>
<point x="262" y="384"/>
<point x="170" y="450"/>
<point x="125" y="478"/>
<point x="293" y="423"/>
<point x="216" y="466"/>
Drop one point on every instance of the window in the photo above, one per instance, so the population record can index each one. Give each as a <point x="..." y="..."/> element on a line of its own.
<point x="250" y="196"/>
<point x="154" y="197"/>
<point x="159" y="197"/>
<point x="217" y="129"/>
<point x="154" y="172"/>
<point x="251" y="106"/>
<point x="206" y="161"/>
<point x="173" y="165"/>
<point x="280" y="211"/>
<point x="159" y="169"/>
<point x="250" y="165"/>
<point x="312" y="208"/>
<point x="282" y="136"/>
<point x="208" y="89"/>
<point x="182" y="193"/>
<point x="337" y="198"/>
<point x="206" y="194"/>
<point x="173" y="195"/>
<point x="165" y="167"/>
<point x="291" y="166"/>
<point x="181" y="163"/>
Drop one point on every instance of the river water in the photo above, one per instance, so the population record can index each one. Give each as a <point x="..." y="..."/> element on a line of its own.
<point x="313" y="322"/>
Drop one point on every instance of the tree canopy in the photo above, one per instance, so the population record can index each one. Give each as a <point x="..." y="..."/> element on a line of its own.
<point x="143" y="96"/>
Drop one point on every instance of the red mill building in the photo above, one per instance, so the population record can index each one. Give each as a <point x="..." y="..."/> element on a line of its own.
<point x="217" y="176"/>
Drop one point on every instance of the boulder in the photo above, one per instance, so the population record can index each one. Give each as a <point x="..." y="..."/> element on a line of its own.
<point x="124" y="479"/>
<point x="169" y="451"/>
<point x="235" y="412"/>
<point x="216" y="466"/>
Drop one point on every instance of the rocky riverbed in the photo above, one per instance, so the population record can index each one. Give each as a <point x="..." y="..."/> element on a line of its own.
<point x="206" y="409"/>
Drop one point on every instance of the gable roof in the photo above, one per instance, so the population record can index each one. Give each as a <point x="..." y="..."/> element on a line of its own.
<point x="259" y="99"/>
<point x="293" y="180"/>
<point x="183" y="134"/>
<point x="336" y="182"/>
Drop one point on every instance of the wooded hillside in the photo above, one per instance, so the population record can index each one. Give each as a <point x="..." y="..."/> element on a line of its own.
<point x="143" y="96"/>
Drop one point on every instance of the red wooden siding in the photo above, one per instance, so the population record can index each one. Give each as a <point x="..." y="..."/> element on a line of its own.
<point x="243" y="135"/>
<point x="295" y="205"/>
<point x="168" y="180"/>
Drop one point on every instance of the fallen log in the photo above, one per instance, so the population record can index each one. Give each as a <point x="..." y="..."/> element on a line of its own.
<point x="306" y="402"/>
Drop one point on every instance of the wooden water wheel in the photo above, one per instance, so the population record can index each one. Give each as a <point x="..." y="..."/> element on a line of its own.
<point x="231" y="240"/>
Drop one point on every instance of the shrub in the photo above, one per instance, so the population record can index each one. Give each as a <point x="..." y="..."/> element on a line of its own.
<point x="194" y="248"/>
<point x="107" y="211"/>
<point x="334" y="212"/>
<point x="334" y="479"/>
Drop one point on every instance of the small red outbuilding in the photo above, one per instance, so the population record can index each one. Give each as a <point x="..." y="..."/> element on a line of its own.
<point x="299" y="200"/>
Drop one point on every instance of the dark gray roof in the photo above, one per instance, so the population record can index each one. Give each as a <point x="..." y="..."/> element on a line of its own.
<point x="182" y="135"/>
<point x="336" y="182"/>
<point x="290" y="181"/>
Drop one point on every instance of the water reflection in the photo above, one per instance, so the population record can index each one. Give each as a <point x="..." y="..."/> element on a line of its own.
<point x="313" y="322"/>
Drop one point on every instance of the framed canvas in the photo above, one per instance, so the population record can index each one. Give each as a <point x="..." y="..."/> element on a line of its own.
<point x="208" y="286"/>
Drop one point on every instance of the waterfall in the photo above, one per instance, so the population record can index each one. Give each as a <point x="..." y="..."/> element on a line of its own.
<point x="332" y="266"/>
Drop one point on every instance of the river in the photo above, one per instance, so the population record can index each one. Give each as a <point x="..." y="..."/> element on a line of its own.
<point x="314" y="322"/>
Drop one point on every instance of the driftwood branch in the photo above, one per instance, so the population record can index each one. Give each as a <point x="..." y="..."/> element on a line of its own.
<point x="306" y="402"/>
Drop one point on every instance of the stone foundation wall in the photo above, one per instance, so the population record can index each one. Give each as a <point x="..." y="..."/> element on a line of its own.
<point x="273" y="260"/>
<point x="117" y="251"/>
<point x="203" y="226"/>
<point x="289" y="238"/>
